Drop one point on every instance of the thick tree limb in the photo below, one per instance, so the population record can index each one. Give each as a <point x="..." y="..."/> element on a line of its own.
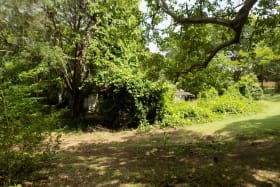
<point x="206" y="20"/>
<point x="235" y="24"/>
<point x="212" y="54"/>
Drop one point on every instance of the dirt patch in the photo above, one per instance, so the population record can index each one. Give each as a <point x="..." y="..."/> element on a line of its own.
<point x="73" y="140"/>
<point x="173" y="157"/>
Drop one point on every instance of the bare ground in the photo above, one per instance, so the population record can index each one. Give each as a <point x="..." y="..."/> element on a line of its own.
<point x="173" y="157"/>
<point x="244" y="152"/>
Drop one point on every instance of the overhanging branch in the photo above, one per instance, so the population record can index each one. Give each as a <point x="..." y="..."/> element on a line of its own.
<point x="235" y="24"/>
<point x="212" y="54"/>
<point x="185" y="20"/>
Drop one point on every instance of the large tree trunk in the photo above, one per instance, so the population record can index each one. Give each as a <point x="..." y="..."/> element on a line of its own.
<point x="76" y="83"/>
<point x="76" y="105"/>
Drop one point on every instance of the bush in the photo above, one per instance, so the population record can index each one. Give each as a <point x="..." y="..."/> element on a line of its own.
<point x="249" y="87"/>
<point x="208" y="107"/>
<point x="128" y="100"/>
<point x="231" y="102"/>
<point x="215" y="75"/>
<point x="185" y="113"/>
<point x="211" y="93"/>
<point x="188" y="112"/>
<point x="23" y="134"/>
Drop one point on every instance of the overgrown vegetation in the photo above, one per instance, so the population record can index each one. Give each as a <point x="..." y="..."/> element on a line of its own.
<point x="210" y="106"/>
<point x="80" y="63"/>
<point x="25" y="136"/>
<point x="232" y="152"/>
<point x="143" y="101"/>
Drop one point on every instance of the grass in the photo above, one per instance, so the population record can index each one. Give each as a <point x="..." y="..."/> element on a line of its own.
<point x="240" y="151"/>
<point x="238" y="123"/>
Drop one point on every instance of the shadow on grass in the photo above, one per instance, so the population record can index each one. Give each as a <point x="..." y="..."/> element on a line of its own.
<point x="255" y="128"/>
<point x="174" y="158"/>
<point x="274" y="98"/>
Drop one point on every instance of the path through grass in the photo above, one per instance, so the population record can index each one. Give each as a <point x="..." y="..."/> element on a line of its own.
<point x="242" y="151"/>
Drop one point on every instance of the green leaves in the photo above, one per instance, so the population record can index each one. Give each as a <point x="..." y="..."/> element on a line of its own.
<point x="23" y="129"/>
<point x="208" y="107"/>
<point x="264" y="54"/>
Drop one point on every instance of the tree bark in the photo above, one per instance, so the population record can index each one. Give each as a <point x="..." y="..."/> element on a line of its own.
<point x="76" y="103"/>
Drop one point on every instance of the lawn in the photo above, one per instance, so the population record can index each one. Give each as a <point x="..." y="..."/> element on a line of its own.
<point x="238" y="151"/>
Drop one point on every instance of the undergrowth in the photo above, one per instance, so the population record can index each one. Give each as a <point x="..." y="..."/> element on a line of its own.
<point x="26" y="139"/>
<point x="208" y="107"/>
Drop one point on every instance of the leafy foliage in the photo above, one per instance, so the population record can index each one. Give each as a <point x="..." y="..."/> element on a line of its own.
<point x="208" y="107"/>
<point x="143" y="101"/>
<point x="249" y="87"/>
<point x="23" y="133"/>
<point x="217" y="75"/>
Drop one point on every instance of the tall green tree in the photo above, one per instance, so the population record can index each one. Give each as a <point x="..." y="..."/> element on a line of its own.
<point x="91" y="34"/>
<point x="65" y="45"/>
<point x="227" y="18"/>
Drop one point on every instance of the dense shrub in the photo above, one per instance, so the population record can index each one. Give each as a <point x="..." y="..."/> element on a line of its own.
<point x="232" y="102"/>
<point x="208" y="107"/>
<point x="24" y="137"/>
<point x="184" y="112"/>
<point x="211" y="93"/>
<point x="127" y="100"/>
<point x="249" y="87"/>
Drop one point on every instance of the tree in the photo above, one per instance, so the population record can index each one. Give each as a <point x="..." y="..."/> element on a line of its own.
<point x="232" y="19"/>
<point x="91" y="33"/>
<point x="24" y="125"/>
<point x="50" y="45"/>
<point x="64" y="45"/>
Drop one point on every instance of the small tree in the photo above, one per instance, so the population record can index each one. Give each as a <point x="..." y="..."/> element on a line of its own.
<point x="24" y="136"/>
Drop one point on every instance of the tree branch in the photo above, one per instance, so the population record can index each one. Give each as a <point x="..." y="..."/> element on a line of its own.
<point x="236" y="25"/>
<point x="213" y="53"/>
<point x="206" y="20"/>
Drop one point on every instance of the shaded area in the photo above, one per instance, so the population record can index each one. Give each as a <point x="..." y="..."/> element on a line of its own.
<point x="175" y="158"/>
<point x="275" y="98"/>
<point x="254" y="128"/>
